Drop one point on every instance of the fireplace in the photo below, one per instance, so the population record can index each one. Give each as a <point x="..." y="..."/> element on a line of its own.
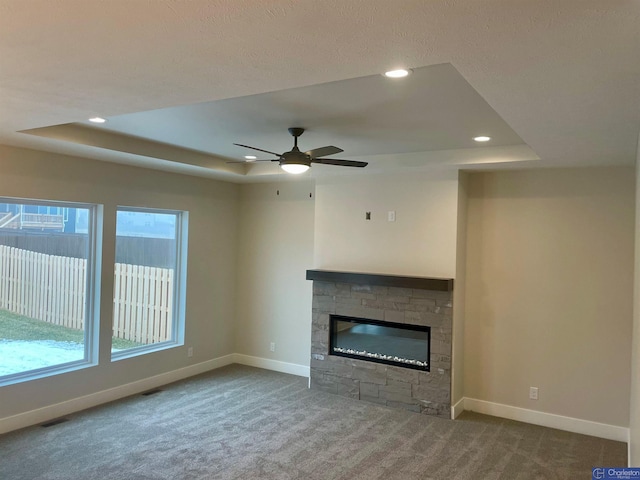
<point x="379" y="341"/>
<point x="384" y="339"/>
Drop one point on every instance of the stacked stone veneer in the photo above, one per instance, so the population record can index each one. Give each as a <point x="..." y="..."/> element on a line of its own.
<point x="416" y="390"/>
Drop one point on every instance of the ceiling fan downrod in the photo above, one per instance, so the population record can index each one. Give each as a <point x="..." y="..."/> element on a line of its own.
<point x="296" y="132"/>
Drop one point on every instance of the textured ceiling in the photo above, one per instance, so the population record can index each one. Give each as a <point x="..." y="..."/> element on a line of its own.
<point x="564" y="76"/>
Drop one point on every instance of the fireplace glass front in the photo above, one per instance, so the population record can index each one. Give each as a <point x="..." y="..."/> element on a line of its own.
<point x="378" y="341"/>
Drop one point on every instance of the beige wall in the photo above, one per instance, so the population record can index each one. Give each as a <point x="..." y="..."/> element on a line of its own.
<point x="549" y="287"/>
<point x="422" y="240"/>
<point x="634" y="438"/>
<point x="210" y="309"/>
<point x="275" y="249"/>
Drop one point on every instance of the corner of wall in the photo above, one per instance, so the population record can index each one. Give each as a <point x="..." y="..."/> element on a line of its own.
<point x="457" y="367"/>
<point x="634" y="414"/>
<point x="275" y="248"/>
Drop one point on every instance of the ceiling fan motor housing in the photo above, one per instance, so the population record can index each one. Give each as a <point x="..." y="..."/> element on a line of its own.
<point x="295" y="157"/>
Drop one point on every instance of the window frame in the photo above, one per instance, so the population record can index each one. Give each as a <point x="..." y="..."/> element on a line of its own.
<point x="179" y="284"/>
<point x="92" y="298"/>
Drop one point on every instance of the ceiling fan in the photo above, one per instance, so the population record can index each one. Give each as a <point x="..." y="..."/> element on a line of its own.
<point x="296" y="161"/>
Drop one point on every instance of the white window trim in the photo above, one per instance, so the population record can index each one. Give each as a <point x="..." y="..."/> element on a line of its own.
<point x="92" y="308"/>
<point x="179" y="287"/>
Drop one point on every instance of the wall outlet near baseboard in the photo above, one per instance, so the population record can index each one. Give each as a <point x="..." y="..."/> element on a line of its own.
<point x="272" y="346"/>
<point x="190" y="352"/>
<point x="533" y="393"/>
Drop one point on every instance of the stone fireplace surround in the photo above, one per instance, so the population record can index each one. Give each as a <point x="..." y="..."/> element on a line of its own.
<point x="396" y="299"/>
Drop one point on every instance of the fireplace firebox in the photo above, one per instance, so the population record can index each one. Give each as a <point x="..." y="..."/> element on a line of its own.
<point x="379" y="341"/>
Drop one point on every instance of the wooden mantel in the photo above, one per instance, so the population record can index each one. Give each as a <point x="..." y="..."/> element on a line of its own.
<point x="423" y="283"/>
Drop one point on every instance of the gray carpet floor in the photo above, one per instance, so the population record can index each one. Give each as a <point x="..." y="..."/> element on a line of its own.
<point x="245" y="423"/>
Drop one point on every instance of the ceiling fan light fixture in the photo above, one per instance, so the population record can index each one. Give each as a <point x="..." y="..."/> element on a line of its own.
<point x="399" y="73"/>
<point x="295" y="168"/>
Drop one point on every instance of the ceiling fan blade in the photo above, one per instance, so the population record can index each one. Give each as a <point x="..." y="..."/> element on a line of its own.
<point x="342" y="163"/>
<point x="323" y="151"/>
<point x="259" y="149"/>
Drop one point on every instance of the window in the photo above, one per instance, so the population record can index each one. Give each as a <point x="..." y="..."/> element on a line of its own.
<point x="149" y="280"/>
<point x="47" y="288"/>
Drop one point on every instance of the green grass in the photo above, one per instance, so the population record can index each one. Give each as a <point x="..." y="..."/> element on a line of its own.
<point x="19" y="327"/>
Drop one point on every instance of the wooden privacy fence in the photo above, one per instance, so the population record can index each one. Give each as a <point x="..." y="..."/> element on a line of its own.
<point x="44" y="287"/>
<point x="52" y="288"/>
<point x="142" y="303"/>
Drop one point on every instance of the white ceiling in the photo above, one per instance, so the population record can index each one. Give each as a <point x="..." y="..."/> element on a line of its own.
<point x="555" y="83"/>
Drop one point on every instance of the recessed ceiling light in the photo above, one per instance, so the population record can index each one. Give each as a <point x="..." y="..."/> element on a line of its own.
<point x="400" y="73"/>
<point x="250" y="157"/>
<point x="482" y="139"/>
<point x="97" y="120"/>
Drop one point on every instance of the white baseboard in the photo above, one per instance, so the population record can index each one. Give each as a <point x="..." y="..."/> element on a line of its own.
<point x="457" y="409"/>
<point x="50" y="412"/>
<point x="40" y="415"/>
<point x="275" y="365"/>
<point x="33" y="417"/>
<point x="569" y="424"/>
